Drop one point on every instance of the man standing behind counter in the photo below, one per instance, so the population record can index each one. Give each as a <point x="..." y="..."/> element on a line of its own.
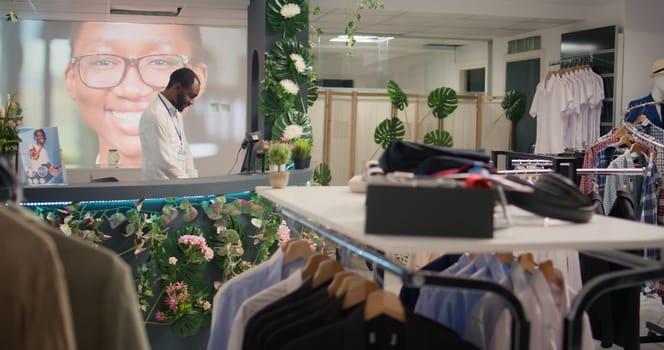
<point x="166" y="153"/>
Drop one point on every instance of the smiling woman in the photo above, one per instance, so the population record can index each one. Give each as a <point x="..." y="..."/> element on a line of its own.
<point x="117" y="69"/>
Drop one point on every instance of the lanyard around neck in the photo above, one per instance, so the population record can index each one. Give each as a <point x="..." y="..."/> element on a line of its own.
<point x="174" y="119"/>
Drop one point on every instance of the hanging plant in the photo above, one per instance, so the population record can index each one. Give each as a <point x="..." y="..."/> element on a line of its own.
<point x="397" y="96"/>
<point x="388" y="131"/>
<point x="514" y="105"/>
<point x="438" y="138"/>
<point x="289" y="17"/>
<point x="443" y="101"/>
<point x="292" y="117"/>
<point x="291" y="60"/>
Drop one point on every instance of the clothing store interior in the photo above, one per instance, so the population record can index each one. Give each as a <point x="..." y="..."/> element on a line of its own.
<point x="366" y="174"/>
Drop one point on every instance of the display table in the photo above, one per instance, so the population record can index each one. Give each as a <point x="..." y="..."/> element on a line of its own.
<point x="343" y="211"/>
<point x="339" y="215"/>
<point x="105" y="191"/>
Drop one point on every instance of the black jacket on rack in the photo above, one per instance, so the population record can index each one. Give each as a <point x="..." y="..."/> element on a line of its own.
<point x="614" y="317"/>
<point x="353" y="332"/>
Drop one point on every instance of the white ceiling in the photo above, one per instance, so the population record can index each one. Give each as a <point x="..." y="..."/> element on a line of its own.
<point x="467" y="19"/>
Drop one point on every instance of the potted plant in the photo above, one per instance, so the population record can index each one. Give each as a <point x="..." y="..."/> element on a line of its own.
<point x="302" y="153"/>
<point x="278" y="155"/>
<point x="11" y="117"/>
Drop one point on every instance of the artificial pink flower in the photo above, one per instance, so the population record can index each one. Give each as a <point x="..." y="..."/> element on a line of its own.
<point x="183" y="297"/>
<point x="11" y="124"/>
<point x="208" y="254"/>
<point x="172" y="302"/>
<point x="159" y="316"/>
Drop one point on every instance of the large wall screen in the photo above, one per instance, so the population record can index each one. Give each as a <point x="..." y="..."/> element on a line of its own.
<point x="93" y="79"/>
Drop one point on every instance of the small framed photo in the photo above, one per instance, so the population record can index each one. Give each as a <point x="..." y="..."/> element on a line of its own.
<point x="40" y="157"/>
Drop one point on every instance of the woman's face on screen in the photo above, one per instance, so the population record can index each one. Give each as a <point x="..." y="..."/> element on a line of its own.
<point x="116" y="71"/>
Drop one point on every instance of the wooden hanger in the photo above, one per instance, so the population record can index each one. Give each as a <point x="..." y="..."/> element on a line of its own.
<point x="358" y="291"/>
<point x="550" y="274"/>
<point x="635" y="148"/>
<point x="505" y="258"/>
<point x="312" y="265"/>
<point x="625" y="140"/>
<point x="299" y="249"/>
<point x="527" y="262"/>
<point x="345" y="285"/>
<point x="381" y="302"/>
<point x="619" y="132"/>
<point x="326" y="271"/>
<point x="338" y="278"/>
<point x="640" y="119"/>
<point x="549" y="74"/>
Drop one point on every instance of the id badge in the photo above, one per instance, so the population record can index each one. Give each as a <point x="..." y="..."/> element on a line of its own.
<point x="181" y="155"/>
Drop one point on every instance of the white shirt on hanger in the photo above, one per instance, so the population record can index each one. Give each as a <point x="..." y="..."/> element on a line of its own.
<point x="551" y="101"/>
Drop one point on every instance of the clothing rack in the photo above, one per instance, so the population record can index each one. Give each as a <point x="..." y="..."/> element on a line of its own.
<point x="520" y="324"/>
<point x="334" y="212"/>
<point x="590" y="56"/>
<point x="564" y="165"/>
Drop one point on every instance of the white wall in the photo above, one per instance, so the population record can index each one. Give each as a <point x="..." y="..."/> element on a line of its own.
<point x="424" y="72"/>
<point x="471" y="56"/>
<point x="609" y="14"/>
<point x="644" y="29"/>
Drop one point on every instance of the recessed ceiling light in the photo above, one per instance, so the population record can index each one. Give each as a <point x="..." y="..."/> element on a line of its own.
<point x="363" y="38"/>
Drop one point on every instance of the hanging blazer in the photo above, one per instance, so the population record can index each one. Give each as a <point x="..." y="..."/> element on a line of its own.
<point x="648" y="111"/>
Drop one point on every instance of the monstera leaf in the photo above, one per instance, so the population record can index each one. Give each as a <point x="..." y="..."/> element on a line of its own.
<point x="292" y="25"/>
<point x="312" y="96"/>
<point x="397" y="96"/>
<point x="514" y="105"/>
<point x="269" y="106"/>
<point x="438" y="138"/>
<point x="322" y="175"/>
<point x="284" y="66"/>
<point x="388" y="131"/>
<point x="292" y="118"/>
<point x="189" y="324"/>
<point x="443" y="101"/>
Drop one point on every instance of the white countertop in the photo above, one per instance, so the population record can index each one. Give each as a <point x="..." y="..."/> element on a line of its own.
<point x="343" y="211"/>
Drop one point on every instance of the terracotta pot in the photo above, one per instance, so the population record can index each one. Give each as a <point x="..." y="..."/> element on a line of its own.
<point x="278" y="179"/>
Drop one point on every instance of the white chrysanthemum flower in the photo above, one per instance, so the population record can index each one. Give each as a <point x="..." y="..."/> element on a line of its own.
<point x="290" y="10"/>
<point x="299" y="63"/>
<point x="293" y="132"/>
<point x="289" y="86"/>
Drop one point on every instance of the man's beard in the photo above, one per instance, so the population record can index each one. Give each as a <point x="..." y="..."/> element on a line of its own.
<point x="179" y="102"/>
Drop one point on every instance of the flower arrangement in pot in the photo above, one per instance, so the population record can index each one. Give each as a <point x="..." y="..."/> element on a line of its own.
<point x="278" y="155"/>
<point x="302" y="153"/>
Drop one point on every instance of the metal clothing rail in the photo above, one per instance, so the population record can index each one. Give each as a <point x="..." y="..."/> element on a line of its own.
<point x="590" y="55"/>
<point x="525" y="172"/>
<point x="612" y="171"/>
<point x="641" y="270"/>
<point x="646" y="138"/>
<point x="520" y="324"/>
<point x="531" y="162"/>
